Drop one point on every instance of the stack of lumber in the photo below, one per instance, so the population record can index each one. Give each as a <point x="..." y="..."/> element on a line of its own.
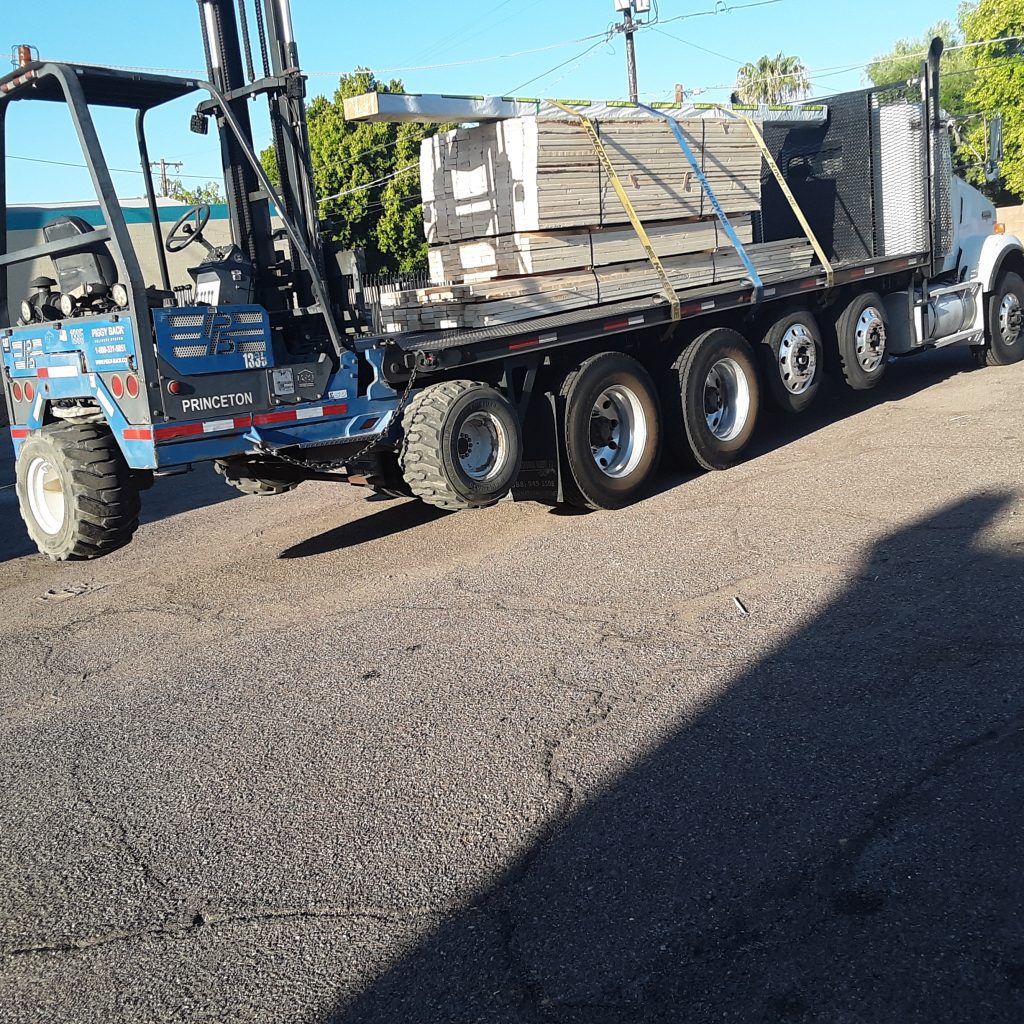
<point x="507" y="300"/>
<point x="527" y="174"/>
<point x="542" y="252"/>
<point x="524" y="221"/>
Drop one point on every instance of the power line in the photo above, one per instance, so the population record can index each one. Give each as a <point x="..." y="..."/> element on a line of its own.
<point x="369" y="184"/>
<point x="816" y="74"/>
<point x="116" y="170"/>
<point x="195" y="72"/>
<point x="695" y="46"/>
<point x="551" y="71"/>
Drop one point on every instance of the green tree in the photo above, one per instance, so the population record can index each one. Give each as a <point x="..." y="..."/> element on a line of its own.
<point x="903" y="62"/>
<point x="208" y="193"/>
<point x="772" y="80"/>
<point x="997" y="84"/>
<point x="367" y="177"/>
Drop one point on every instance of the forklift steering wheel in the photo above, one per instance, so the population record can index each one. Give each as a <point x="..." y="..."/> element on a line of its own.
<point x="183" y="234"/>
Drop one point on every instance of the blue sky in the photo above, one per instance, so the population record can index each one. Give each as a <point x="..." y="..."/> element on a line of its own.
<point x="701" y="51"/>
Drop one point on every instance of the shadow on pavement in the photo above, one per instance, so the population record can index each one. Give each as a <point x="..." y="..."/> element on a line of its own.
<point x="397" y="518"/>
<point x="835" y="838"/>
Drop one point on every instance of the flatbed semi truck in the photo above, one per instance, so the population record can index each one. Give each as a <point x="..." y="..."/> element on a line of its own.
<point x="265" y="364"/>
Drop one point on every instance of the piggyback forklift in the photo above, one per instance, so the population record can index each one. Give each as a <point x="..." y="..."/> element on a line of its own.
<point x="266" y="365"/>
<point x="109" y="380"/>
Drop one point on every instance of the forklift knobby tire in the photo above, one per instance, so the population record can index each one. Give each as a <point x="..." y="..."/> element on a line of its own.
<point x="1004" y="321"/>
<point x="612" y="430"/>
<point x="861" y="334"/>
<point x="244" y="479"/>
<point x="717" y="399"/>
<point x="792" y="358"/>
<point x="462" y="445"/>
<point x="75" y="491"/>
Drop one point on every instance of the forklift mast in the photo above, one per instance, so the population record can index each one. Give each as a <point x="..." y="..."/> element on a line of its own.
<point x="279" y="285"/>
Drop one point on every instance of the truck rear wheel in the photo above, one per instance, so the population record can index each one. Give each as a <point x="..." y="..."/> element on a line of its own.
<point x="792" y="358"/>
<point x="861" y="333"/>
<point x="717" y="398"/>
<point x="75" y="492"/>
<point x="462" y="445"/>
<point x="612" y="430"/>
<point x="1004" y="323"/>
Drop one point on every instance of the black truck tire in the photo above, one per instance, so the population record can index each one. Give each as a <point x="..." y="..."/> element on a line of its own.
<point x="254" y="478"/>
<point x="792" y="358"/>
<point x="612" y="430"/>
<point x="861" y="334"/>
<point x="1004" y="321"/>
<point x="75" y="491"/>
<point x="462" y="445"/>
<point x="716" y="398"/>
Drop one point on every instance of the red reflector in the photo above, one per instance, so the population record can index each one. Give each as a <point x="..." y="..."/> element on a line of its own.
<point x="242" y="421"/>
<point x="138" y="434"/>
<point x="43" y="371"/>
<point x="529" y="343"/>
<point x="284" y="416"/>
<point x="335" y="410"/>
<point x="366" y="424"/>
<point x="132" y="385"/>
<point x="20" y="431"/>
<point x="174" y="387"/>
<point x="30" y="392"/>
<point x="184" y="430"/>
<point x="614" y="325"/>
<point x="117" y="386"/>
<point x="16" y="391"/>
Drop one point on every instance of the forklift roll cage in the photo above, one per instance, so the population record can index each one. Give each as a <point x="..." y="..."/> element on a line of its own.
<point x="81" y="87"/>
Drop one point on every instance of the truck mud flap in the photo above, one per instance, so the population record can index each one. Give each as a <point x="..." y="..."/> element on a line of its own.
<point x="544" y="476"/>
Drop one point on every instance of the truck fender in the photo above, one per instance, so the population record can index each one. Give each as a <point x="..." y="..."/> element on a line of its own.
<point x="995" y="251"/>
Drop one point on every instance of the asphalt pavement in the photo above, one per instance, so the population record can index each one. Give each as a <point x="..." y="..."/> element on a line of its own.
<point x="750" y="750"/>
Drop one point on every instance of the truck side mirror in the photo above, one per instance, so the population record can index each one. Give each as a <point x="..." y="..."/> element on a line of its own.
<point x="994" y="149"/>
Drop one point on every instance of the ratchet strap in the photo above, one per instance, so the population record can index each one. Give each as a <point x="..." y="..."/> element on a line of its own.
<point x="641" y="233"/>
<point x="730" y="231"/>
<point x="830" y="274"/>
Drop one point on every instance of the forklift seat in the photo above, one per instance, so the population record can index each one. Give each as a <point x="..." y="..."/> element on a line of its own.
<point x="92" y="264"/>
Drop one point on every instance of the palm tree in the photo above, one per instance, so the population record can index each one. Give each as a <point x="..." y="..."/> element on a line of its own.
<point x="773" y="80"/>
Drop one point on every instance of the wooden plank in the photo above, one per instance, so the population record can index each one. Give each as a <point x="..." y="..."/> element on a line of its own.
<point x="401" y="108"/>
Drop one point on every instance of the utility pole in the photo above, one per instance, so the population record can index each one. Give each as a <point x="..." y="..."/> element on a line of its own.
<point x="165" y="181"/>
<point x="629" y="27"/>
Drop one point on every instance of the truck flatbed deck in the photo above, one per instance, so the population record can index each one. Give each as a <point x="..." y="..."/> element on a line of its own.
<point x="438" y="349"/>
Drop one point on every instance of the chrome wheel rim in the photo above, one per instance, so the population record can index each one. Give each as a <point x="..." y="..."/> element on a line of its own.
<point x="1011" y="319"/>
<point x="726" y="399"/>
<point x="45" y="495"/>
<point x="618" y="431"/>
<point x="798" y="359"/>
<point x="482" y="446"/>
<point x="869" y="339"/>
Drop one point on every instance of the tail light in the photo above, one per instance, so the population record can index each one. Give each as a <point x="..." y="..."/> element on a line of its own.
<point x="16" y="391"/>
<point x="132" y="385"/>
<point x="117" y="386"/>
<point x="30" y="391"/>
<point x="174" y="387"/>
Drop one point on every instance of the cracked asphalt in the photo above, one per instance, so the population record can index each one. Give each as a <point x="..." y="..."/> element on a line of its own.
<point x="750" y="750"/>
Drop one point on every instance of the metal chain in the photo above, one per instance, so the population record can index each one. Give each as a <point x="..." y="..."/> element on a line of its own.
<point x="326" y="467"/>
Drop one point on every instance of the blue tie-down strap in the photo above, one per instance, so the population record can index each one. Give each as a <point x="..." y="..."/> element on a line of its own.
<point x="730" y="231"/>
